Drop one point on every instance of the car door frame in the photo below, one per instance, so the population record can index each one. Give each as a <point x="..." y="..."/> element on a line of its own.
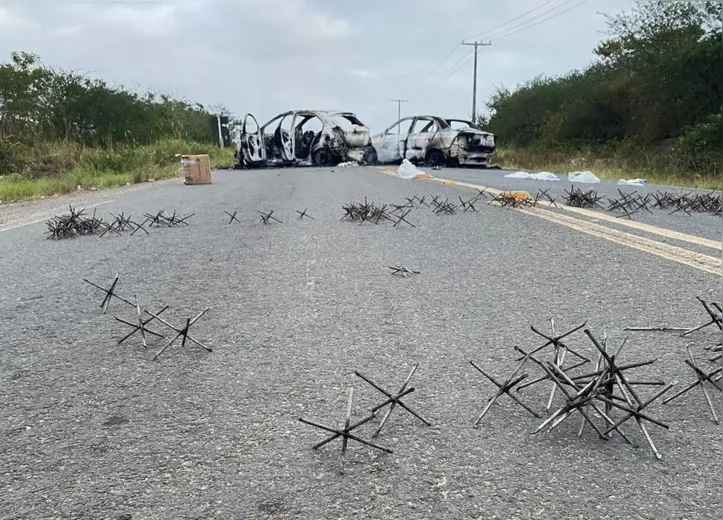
<point x="282" y="117"/>
<point x="401" y="141"/>
<point x="245" y="146"/>
<point x="427" y="120"/>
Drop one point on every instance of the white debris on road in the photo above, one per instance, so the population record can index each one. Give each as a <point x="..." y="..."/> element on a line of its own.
<point x="408" y="171"/>
<point x="632" y="182"/>
<point x="541" y="176"/>
<point x="584" y="177"/>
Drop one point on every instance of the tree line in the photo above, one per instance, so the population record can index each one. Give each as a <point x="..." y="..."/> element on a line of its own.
<point x="39" y="104"/>
<point x="656" y="82"/>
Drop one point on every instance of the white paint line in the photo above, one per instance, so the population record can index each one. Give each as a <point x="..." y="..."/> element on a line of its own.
<point x="23" y="224"/>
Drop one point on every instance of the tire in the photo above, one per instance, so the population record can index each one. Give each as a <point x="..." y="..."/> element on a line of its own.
<point x="436" y="158"/>
<point x="322" y="157"/>
<point x="370" y="157"/>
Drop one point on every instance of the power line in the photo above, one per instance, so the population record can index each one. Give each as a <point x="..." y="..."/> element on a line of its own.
<point x="451" y="70"/>
<point x="511" y="32"/>
<point x="485" y="33"/>
<point x="459" y="45"/>
<point x="445" y="59"/>
<point x="533" y="19"/>
<point x="432" y="80"/>
<point x="455" y="67"/>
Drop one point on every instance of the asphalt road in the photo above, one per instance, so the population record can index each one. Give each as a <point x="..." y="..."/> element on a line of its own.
<point x="93" y="430"/>
<point x="700" y="224"/>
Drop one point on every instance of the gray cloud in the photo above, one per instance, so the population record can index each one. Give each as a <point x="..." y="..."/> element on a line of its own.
<point x="266" y="56"/>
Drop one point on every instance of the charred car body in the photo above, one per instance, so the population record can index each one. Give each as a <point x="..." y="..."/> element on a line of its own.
<point x="435" y="141"/>
<point x="304" y="138"/>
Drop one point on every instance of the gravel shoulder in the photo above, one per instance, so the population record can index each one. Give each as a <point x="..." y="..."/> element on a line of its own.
<point x="44" y="208"/>
<point x="92" y="430"/>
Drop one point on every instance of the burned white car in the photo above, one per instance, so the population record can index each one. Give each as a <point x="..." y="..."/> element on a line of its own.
<point x="434" y="141"/>
<point x="304" y="138"/>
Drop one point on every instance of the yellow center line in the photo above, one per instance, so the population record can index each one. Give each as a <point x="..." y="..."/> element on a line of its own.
<point x="706" y="263"/>
<point x="667" y="233"/>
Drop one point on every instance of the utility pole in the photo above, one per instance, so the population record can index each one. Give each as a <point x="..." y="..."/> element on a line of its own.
<point x="474" y="84"/>
<point x="220" y="133"/>
<point x="399" y="109"/>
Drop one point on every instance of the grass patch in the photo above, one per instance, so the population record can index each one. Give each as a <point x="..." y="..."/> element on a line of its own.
<point x="607" y="164"/>
<point x="57" y="168"/>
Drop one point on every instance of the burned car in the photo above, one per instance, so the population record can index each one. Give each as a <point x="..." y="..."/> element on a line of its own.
<point x="304" y="138"/>
<point x="435" y="141"/>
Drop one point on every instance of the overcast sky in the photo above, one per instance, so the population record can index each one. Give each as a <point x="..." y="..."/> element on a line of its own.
<point x="267" y="56"/>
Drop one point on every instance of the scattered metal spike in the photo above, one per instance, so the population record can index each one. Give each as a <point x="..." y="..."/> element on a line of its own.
<point x="157" y="219"/>
<point x="443" y="208"/>
<point x="393" y="399"/>
<point x="502" y="388"/>
<point x="140" y="327"/>
<point x="345" y="432"/>
<point x="266" y="218"/>
<point x="140" y="227"/>
<point x="110" y="227"/>
<point x="701" y="378"/>
<point x="401" y="218"/>
<point x="109" y="294"/>
<point x="482" y="192"/>
<point x="73" y="225"/>
<point x="583" y="199"/>
<point x="233" y="216"/>
<point x="421" y="201"/>
<point x="579" y="401"/>
<point x="161" y="218"/>
<point x="180" y="332"/>
<point x="716" y="319"/>
<point x="403" y="271"/>
<point x="468" y="205"/>
<point x="545" y="194"/>
<point x="303" y="214"/>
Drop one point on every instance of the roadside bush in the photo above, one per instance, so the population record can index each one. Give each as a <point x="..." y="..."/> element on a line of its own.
<point x="701" y="146"/>
<point x="657" y="79"/>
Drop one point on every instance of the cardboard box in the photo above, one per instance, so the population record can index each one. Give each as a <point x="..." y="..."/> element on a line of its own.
<point x="196" y="169"/>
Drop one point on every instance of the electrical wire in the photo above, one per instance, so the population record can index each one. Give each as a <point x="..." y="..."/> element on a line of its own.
<point x="520" y="25"/>
<point x="511" y="32"/>
<point x="451" y="71"/>
<point x="435" y="69"/>
<point x="507" y="32"/>
<point x="484" y="33"/>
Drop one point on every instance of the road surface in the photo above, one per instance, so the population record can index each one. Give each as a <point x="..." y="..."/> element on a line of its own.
<point x="93" y="430"/>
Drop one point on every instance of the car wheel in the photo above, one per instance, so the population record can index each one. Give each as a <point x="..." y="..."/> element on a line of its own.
<point x="370" y="157"/>
<point x="322" y="157"/>
<point x="436" y="158"/>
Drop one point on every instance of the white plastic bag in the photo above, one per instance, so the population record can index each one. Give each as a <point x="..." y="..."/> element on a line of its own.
<point x="586" y="177"/>
<point x="408" y="171"/>
<point x="542" y="176"/>
<point x="632" y="182"/>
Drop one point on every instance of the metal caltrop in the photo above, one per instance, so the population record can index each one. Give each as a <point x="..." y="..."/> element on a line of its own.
<point x="393" y="399"/>
<point x="109" y="294"/>
<point x="702" y="377"/>
<point x="181" y="332"/>
<point x="345" y="432"/>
